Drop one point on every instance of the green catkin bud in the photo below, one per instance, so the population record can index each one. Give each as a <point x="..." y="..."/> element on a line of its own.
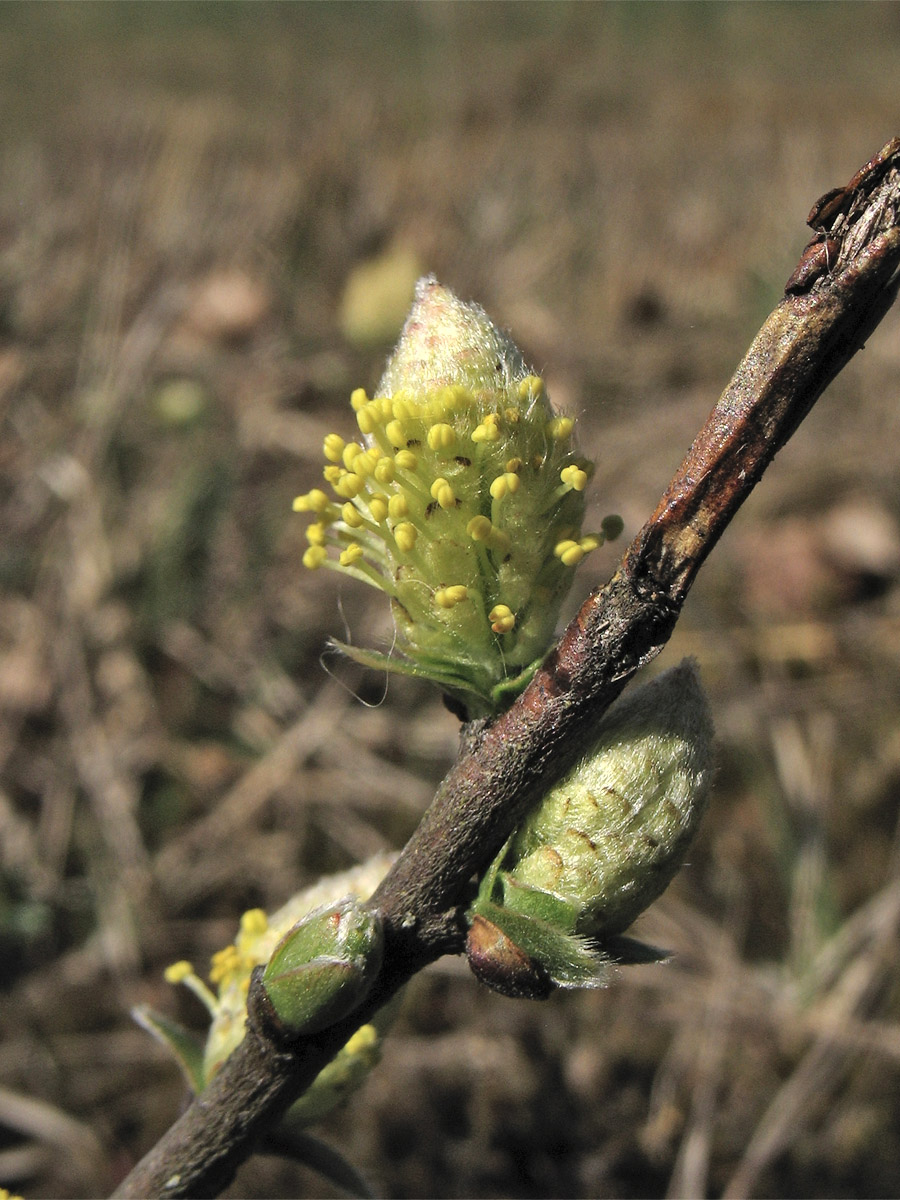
<point x="323" y="966"/>
<point x="465" y="483"/>
<point x="325" y="951"/>
<point x="600" y="847"/>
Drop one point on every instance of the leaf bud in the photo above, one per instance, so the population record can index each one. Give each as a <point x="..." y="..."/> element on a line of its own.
<point x="323" y="966"/>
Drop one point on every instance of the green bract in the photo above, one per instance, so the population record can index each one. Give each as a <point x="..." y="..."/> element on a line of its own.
<point x="600" y="847"/>
<point x="324" y="965"/>
<point x="463" y="501"/>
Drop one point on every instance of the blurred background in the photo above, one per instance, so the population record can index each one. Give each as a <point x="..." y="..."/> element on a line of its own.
<point x="211" y="218"/>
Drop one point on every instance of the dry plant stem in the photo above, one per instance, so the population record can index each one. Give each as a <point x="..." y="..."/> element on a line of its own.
<point x="504" y="767"/>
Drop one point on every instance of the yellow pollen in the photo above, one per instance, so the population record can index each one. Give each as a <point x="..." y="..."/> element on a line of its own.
<point x="401" y="407"/>
<point x="589" y="543"/>
<point x="363" y="465"/>
<point x="384" y="471"/>
<point x="224" y="963"/>
<point x="531" y="388"/>
<point x="398" y="506"/>
<point x="314" y="501"/>
<point x="351" y="555"/>
<point x="560" y="427"/>
<point x="254" y="924"/>
<point x="574" y="477"/>
<point x="349" y="485"/>
<point x="358" y="399"/>
<point x="378" y="507"/>
<point x="488" y="430"/>
<point x="443" y="493"/>
<point x="332" y="474"/>
<point x="178" y="972"/>
<point x="405" y="536"/>
<point x="396" y="434"/>
<point x="406" y="460"/>
<point x="366" y="420"/>
<point x="503" y="485"/>
<point x="569" y="553"/>
<point x="441" y="437"/>
<point x="351" y="515"/>
<point x="333" y="447"/>
<point x="502" y="618"/>
<point x="315" y="556"/>
<point x="479" y="529"/>
<point x="365" y="1036"/>
<point x="351" y="451"/>
<point x="315" y="534"/>
<point x="449" y="597"/>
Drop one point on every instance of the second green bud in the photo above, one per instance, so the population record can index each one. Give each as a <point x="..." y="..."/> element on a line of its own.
<point x="323" y="967"/>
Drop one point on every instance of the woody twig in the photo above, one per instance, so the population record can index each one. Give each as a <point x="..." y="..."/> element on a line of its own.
<point x="846" y="281"/>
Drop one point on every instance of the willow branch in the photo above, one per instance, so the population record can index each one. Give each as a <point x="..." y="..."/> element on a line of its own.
<point x="846" y="281"/>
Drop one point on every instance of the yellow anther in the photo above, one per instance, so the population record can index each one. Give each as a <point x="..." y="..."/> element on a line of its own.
<point x="479" y="529"/>
<point x="396" y="433"/>
<point x="349" y="485"/>
<point x="441" y="436"/>
<point x="224" y="963"/>
<point x="254" y="924"/>
<point x="384" y="470"/>
<point x="398" y="506"/>
<point x="401" y="407"/>
<point x="351" y="451"/>
<point x="364" y="465"/>
<point x="314" y="501"/>
<point x="449" y="597"/>
<point x="333" y="447"/>
<point x="511" y="416"/>
<point x="568" y="552"/>
<point x="332" y="474"/>
<point x="504" y="485"/>
<point x="378" y="507"/>
<point x="178" y="972"/>
<point x="351" y="515"/>
<point x="315" y="556"/>
<point x="531" y="388"/>
<point x="352" y="554"/>
<point x="405" y="536"/>
<point x="560" y="427"/>
<point x="443" y="493"/>
<point x="456" y="398"/>
<point x="367" y="420"/>
<point x="589" y="543"/>
<point x="406" y="460"/>
<point x="316" y="533"/>
<point x="358" y="399"/>
<point x="574" y="477"/>
<point x="365" y="1037"/>
<point x="502" y="618"/>
<point x="488" y="430"/>
<point x="514" y="466"/>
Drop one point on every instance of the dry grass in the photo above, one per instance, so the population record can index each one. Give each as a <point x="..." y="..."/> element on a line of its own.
<point x="185" y="192"/>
